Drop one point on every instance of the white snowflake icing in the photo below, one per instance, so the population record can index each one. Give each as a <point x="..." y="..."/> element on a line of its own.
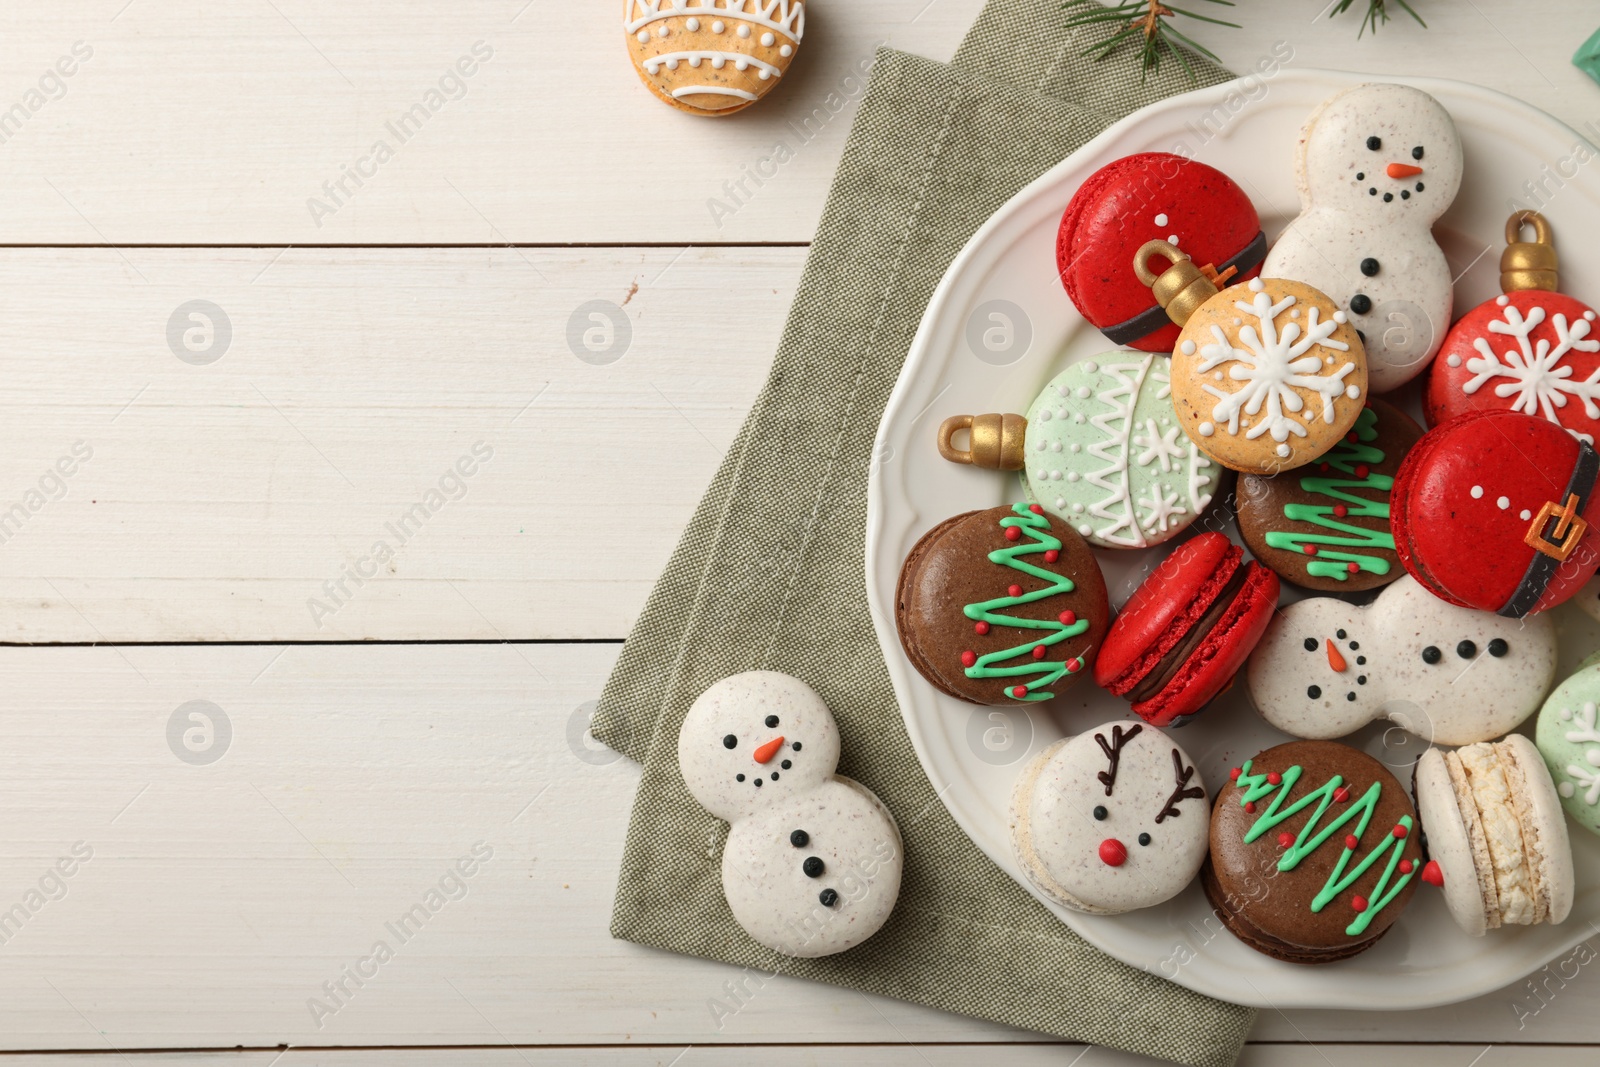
<point x="1160" y="447"/>
<point x="1538" y="380"/>
<point x="1587" y="778"/>
<point x="1585" y="734"/>
<point x="1163" y="510"/>
<point x="1274" y="364"/>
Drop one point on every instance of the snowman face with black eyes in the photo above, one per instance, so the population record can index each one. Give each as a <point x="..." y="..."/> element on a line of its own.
<point x="1451" y="675"/>
<point x="1387" y="150"/>
<point x="1111" y="820"/>
<point x="755" y="738"/>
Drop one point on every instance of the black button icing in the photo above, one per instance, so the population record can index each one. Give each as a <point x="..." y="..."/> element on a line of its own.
<point x="828" y="898"/>
<point x="1431" y="654"/>
<point x="1361" y="303"/>
<point x="813" y="867"/>
<point x="1498" y="647"/>
<point x="799" y="839"/>
<point x="730" y="741"/>
<point x="1369" y="266"/>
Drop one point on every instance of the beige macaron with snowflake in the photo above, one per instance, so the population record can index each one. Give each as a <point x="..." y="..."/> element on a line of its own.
<point x="1496" y="835"/>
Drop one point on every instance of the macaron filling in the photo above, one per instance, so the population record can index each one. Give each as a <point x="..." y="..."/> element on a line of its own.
<point x="1513" y="876"/>
<point x="1168" y="666"/>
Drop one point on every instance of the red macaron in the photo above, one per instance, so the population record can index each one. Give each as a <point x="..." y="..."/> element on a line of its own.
<point x="1187" y="630"/>
<point x="1496" y="510"/>
<point x="1147" y="197"/>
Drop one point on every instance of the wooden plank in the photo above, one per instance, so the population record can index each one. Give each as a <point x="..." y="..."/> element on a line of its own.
<point x="212" y="501"/>
<point x="192" y="123"/>
<point x="209" y="902"/>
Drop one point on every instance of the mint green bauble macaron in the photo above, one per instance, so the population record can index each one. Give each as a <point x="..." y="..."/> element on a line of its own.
<point x="1106" y="454"/>
<point x="1569" y="740"/>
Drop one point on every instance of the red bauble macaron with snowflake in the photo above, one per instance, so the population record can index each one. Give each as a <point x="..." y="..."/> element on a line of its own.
<point x="1532" y="350"/>
<point x="1151" y="196"/>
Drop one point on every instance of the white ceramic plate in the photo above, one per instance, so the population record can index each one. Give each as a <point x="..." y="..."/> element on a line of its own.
<point x="1247" y="129"/>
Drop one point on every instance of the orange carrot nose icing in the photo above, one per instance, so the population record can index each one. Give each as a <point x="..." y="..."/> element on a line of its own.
<point x="1402" y="170"/>
<point x="765" y="753"/>
<point x="1335" y="660"/>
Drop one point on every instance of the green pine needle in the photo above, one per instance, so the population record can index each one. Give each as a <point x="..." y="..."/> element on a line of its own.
<point x="1147" y="21"/>
<point x="1377" y="12"/>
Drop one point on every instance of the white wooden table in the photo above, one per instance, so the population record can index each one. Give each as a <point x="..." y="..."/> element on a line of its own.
<point x="183" y="502"/>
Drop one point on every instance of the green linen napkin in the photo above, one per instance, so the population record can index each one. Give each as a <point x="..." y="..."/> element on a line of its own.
<point x="769" y="573"/>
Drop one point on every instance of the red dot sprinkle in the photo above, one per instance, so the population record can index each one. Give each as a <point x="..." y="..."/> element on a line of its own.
<point x="1051" y="555"/>
<point x="1323" y="467"/>
<point x="969" y="659"/>
<point x="1359" y="903"/>
<point x="1233" y="775"/>
<point x="1013" y="533"/>
<point x="1285" y="839"/>
<point x="1405" y="866"/>
<point x="1362" y="470"/>
<point x="1400" y="832"/>
<point x="1019" y="691"/>
<point x="1036" y="509"/>
<point x="1075" y="665"/>
<point x="982" y="628"/>
<point x="1350" y="841"/>
<point x="1352" y="567"/>
<point x="1069" y="617"/>
<point x="1340" y="511"/>
<point x="1351" y="437"/>
<point x="1342" y="794"/>
<point x="1310" y="550"/>
<point x="1038" y="651"/>
<point x="1014" y="590"/>
<point x="1250" y="805"/>
<point x="1274" y="778"/>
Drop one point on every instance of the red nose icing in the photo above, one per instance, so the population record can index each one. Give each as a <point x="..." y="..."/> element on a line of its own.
<point x="1113" y="853"/>
<point x="765" y="753"/>
<point x="1402" y="170"/>
<point x="1433" y="874"/>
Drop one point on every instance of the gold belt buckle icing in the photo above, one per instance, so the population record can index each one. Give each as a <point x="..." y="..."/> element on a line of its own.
<point x="1570" y="528"/>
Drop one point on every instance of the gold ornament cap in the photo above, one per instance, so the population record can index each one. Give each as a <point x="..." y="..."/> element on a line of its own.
<point x="1182" y="287"/>
<point x="1528" y="264"/>
<point x="994" y="441"/>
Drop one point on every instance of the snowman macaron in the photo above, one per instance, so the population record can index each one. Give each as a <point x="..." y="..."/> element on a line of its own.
<point x="1110" y="820"/>
<point x="1377" y="165"/>
<point x="1448" y="674"/>
<point x="812" y="862"/>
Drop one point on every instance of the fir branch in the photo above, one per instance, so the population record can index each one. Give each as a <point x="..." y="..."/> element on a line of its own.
<point x="1377" y="11"/>
<point x="1148" y="23"/>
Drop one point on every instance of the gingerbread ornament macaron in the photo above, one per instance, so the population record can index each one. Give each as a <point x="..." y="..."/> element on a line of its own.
<point x="1266" y="376"/>
<point x="1325" y="526"/>
<point x="712" y="57"/>
<point x="1314" y="852"/>
<point x="1496" y="510"/>
<point x="1001" y="606"/>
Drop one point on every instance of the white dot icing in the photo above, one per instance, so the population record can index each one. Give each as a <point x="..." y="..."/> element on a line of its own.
<point x="1187" y="348"/>
<point x="744" y="31"/>
<point x="1072" y="476"/>
<point x="1083" y="392"/>
<point x="1283" y="450"/>
<point x="1061" y="503"/>
<point x="1589" y="315"/>
<point x="1077" y="509"/>
<point x="1353" y="392"/>
<point x="644" y="36"/>
<point x="786" y="51"/>
<point x="1055" y="476"/>
<point x="1502" y="300"/>
<point x="1503" y="503"/>
<point x="1256" y="285"/>
<point x="717" y="26"/>
<point x="1055" y="446"/>
<point x="1172" y="238"/>
<point x="763" y="74"/>
<point x="1453" y="360"/>
<point x="1085" y="529"/>
<point x="1091" y="366"/>
<point x="664" y="31"/>
<point x="1477" y="492"/>
<point x="1044" y="416"/>
<point x="1565" y="789"/>
<point x="1592" y="756"/>
<point x="1340" y="317"/>
<point x="692" y="25"/>
<point x="1161" y="220"/>
<point x="1206" y="429"/>
<point x="1526" y="515"/>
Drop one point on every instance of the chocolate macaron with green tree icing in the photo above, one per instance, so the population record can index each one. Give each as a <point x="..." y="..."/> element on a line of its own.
<point x="1314" y="852"/>
<point x="1001" y="606"/>
<point x="1325" y="526"/>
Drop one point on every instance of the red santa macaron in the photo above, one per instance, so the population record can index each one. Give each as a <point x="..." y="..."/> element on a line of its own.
<point x="1151" y="196"/>
<point x="1496" y="510"/>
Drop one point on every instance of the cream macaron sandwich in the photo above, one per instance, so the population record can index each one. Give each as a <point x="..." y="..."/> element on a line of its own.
<point x="1496" y="834"/>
